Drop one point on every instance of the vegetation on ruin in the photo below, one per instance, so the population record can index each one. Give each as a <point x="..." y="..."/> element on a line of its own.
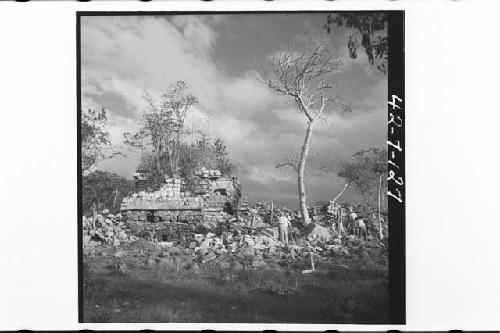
<point x="162" y="127"/>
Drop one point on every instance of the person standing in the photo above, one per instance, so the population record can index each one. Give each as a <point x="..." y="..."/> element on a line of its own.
<point x="361" y="228"/>
<point x="284" y="224"/>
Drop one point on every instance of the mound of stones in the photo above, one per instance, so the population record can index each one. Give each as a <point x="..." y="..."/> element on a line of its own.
<point x="242" y="248"/>
<point x="106" y="229"/>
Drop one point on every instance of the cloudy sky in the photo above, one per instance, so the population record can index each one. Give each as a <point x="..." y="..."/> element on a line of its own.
<point x="217" y="56"/>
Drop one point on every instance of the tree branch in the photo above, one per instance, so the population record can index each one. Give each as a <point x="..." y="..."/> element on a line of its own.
<point x="292" y="162"/>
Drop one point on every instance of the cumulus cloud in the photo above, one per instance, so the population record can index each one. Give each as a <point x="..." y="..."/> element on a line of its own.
<point x="150" y="52"/>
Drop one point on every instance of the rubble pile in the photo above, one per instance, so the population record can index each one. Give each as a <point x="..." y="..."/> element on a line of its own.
<point x="106" y="229"/>
<point x="237" y="247"/>
<point x="207" y="173"/>
<point x="207" y="217"/>
<point x="320" y="214"/>
<point x="229" y="250"/>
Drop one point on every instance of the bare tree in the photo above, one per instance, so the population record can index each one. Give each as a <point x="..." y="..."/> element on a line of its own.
<point x="290" y="161"/>
<point x="306" y="77"/>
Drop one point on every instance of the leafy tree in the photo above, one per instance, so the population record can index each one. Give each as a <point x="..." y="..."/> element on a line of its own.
<point x="370" y="28"/>
<point x="147" y="165"/>
<point x="349" y="172"/>
<point x="203" y="154"/>
<point x="376" y="161"/>
<point x="223" y="163"/>
<point x="305" y="76"/>
<point x="162" y="127"/>
<point x="101" y="189"/>
<point x="196" y="155"/>
<point x="366" y="175"/>
<point x="364" y="171"/>
<point x="96" y="144"/>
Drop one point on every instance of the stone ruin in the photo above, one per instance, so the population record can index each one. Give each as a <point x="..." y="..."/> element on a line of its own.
<point x="207" y="201"/>
<point x="207" y="218"/>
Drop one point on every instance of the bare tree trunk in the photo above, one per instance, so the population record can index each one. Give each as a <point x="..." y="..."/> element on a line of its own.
<point x="157" y="152"/>
<point x="114" y="201"/>
<point x="272" y="214"/>
<point x="301" y="186"/>
<point x="170" y="157"/>
<point x="381" y="235"/>
<point x="94" y="214"/>
<point x="177" y="153"/>
<point x="341" y="222"/>
<point x="341" y="192"/>
<point x="383" y="201"/>
<point x="158" y="163"/>
<point x="372" y="192"/>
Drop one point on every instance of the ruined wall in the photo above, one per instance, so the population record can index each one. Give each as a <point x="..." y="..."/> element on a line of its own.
<point x="182" y="207"/>
<point x="180" y="226"/>
<point x="204" y="191"/>
<point x="207" y="217"/>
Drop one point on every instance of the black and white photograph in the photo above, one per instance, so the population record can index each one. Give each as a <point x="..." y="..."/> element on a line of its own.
<point x="249" y="166"/>
<point x="235" y="167"/>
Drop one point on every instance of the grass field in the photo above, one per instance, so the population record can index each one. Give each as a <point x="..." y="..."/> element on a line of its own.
<point x="344" y="291"/>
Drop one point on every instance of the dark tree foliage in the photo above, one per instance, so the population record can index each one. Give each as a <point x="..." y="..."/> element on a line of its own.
<point x="364" y="170"/>
<point x="96" y="143"/>
<point x="223" y="163"/>
<point x="94" y="136"/>
<point x="102" y="189"/>
<point x="154" y="176"/>
<point x="204" y="152"/>
<point x="201" y="152"/>
<point x="349" y="172"/>
<point x="369" y="30"/>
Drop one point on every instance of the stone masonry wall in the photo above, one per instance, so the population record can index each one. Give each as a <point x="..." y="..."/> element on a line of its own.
<point x="177" y="226"/>
<point x="182" y="207"/>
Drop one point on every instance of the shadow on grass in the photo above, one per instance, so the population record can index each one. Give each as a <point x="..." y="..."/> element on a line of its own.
<point x="339" y="295"/>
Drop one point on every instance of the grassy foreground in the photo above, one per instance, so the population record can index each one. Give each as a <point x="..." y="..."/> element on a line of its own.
<point x="347" y="291"/>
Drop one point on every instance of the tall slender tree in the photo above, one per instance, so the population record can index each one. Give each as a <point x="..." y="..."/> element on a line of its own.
<point x="307" y="77"/>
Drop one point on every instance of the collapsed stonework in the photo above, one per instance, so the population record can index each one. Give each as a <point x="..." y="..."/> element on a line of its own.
<point x="206" y="217"/>
<point x="182" y="207"/>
